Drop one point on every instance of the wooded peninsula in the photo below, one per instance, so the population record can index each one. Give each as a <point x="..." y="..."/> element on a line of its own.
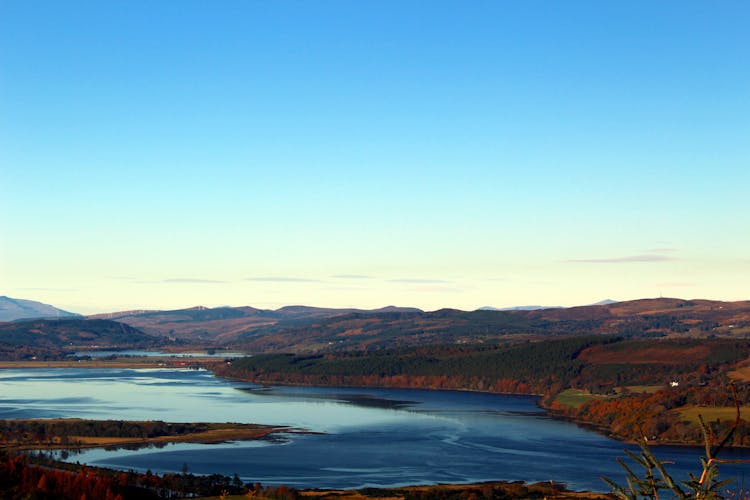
<point x="624" y="387"/>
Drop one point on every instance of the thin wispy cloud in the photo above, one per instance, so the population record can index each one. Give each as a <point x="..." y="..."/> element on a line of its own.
<point x="347" y="288"/>
<point x="646" y="257"/>
<point x="42" y="289"/>
<point x="352" y="277"/>
<point x="662" y="250"/>
<point x="416" y="280"/>
<point x="282" y="279"/>
<point x="436" y="289"/>
<point x="190" y="280"/>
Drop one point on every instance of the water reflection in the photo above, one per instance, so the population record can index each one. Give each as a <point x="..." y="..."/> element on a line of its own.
<point x="363" y="400"/>
<point x="373" y="437"/>
<point x="160" y="354"/>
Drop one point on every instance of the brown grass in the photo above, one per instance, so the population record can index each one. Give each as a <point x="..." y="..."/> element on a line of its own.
<point x="507" y="490"/>
<point x="217" y="433"/>
<point x="350" y="332"/>
<point x="650" y="389"/>
<point x="741" y="374"/>
<point x="669" y="355"/>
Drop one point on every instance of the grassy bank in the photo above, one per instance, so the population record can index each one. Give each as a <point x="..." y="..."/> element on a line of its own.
<point x="53" y="434"/>
<point x="504" y="490"/>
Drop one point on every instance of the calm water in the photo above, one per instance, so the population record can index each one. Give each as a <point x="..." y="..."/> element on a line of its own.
<point x="140" y="353"/>
<point x="371" y="437"/>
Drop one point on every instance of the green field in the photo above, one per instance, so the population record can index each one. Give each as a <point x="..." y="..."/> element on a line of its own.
<point x="575" y="398"/>
<point x="711" y="414"/>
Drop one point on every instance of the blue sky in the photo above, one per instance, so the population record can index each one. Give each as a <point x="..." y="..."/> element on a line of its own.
<point x="337" y="153"/>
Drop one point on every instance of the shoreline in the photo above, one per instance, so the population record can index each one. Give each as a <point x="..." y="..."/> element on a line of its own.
<point x="209" y="364"/>
<point x="488" y="489"/>
<point x="137" y="362"/>
<point x="213" y="433"/>
<point x="547" y="411"/>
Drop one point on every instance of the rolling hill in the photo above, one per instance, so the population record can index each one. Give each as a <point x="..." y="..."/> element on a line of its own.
<point x="15" y="309"/>
<point x="640" y="318"/>
<point x="226" y="324"/>
<point x="626" y="387"/>
<point x="303" y="329"/>
<point x="43" y="337"/>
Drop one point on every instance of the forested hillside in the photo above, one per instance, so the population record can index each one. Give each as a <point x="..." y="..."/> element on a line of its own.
<point x="625" y="386"/>
<point x="530" y="367"/>
<point x="226" y="324"/>
<point x="304" y="329"/>
<point x="54" y="338"/>
<point x="639" y="318"/>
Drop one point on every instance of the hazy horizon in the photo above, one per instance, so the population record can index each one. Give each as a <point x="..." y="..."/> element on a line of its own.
<point x="337" y="154"/>
<point x="83" y="311"/>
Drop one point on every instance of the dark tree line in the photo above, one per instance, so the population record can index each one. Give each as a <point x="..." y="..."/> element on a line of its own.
<point x="50" y="480"/>
<point x="545" y="368"/>
<point x="58" y="430"/>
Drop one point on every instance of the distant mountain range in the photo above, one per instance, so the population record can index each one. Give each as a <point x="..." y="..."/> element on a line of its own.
<point x="517" y="308"/>
<point x="53" y="338"/>
<point x="14" y="309"/>
<point x="637" y="318"/>
<point x="313" y="329"/>
<point x="604" y="302"/>
<point x="228" y="323"/>
<point x="304" y="329"/>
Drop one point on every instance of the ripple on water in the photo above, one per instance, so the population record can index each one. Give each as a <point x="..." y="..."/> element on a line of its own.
<point x="371" y="437"/>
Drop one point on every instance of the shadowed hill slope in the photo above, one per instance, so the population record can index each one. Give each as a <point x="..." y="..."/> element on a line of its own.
<point x="15" y="309"/>
<point x="225" y="324"/>
<point x="72" y="333"/>
<point x="639" y="318"/>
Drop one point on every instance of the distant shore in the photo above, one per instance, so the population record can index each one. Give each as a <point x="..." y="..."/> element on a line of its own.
<point x="67" y="439"/>
<point x="494" y="489"/>
<point x="118" y="362"/>
<point x="210" y="363"/>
